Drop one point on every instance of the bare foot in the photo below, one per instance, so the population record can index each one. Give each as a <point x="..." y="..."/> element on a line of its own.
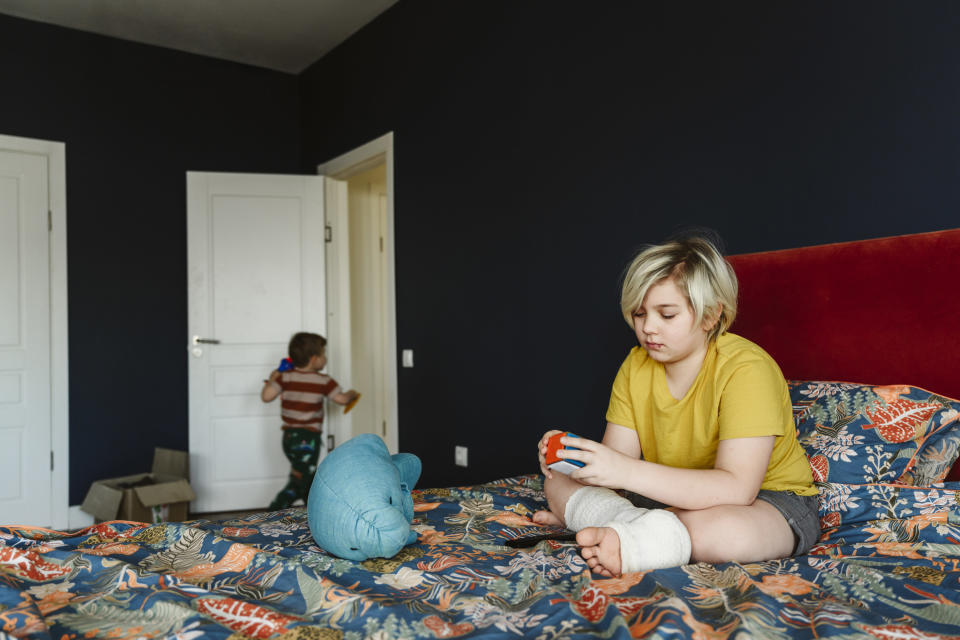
<point x="600" y="547"/>
<point x="547" y="518"/>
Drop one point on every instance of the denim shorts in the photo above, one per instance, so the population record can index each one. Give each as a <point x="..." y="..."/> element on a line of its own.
<point x="799" y="511"/>
<point x="801" y="514"/>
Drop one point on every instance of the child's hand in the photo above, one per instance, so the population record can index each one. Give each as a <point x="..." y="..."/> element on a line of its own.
<point x="345" y="398"/>
<point x="603" y="465"/>
<point x="542" y="452"/>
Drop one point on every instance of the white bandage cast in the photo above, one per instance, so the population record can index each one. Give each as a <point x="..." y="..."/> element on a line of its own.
<point x="593" y="507"/>
<point x="649" y="538"/>
<point x="653" y="539"/>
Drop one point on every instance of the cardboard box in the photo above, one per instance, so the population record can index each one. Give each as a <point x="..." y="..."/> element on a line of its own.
<point x="163" y="495"/>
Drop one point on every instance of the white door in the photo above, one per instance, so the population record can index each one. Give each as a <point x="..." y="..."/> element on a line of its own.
<point x="25" y="385"/>
<point x="256" y="275"/>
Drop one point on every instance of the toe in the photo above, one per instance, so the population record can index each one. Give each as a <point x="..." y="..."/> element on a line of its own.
<point x="588" y="537"/>
<point x="546" y="517"/>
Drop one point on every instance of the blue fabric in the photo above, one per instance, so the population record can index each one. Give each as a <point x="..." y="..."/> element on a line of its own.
<point x="889" y="570"/>
<point x="360" y="503"/>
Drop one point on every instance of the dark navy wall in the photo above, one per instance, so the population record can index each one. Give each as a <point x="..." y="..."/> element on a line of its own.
<point x="538" y="144"/>
<point x="134" y="119"/>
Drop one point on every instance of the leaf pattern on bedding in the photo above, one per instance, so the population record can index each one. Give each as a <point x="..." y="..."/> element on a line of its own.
<point x="185" y="553"/>
<point x="886" y="566"/>
<point x="860" y="433"/>
<point x="900" y="420"/>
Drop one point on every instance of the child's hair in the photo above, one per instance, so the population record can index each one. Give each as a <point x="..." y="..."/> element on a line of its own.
<point x="303" y="346"/>
<point x="699" y="270"/>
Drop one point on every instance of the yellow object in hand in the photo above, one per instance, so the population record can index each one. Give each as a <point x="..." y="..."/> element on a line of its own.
<point x="352" y="403"/>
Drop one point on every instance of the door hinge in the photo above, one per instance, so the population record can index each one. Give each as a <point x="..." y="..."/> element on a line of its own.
<point x="381" y="244"/>
<point x="384" y="427"/>
<point x="331" y="442"/>
<point x="51" y="460"/>
<point x="49" y="220"/>
<point x="328" y="233"/>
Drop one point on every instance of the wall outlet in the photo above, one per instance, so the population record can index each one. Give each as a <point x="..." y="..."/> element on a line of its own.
<point x="460" y="456"/>
<point x="407" y="357"/>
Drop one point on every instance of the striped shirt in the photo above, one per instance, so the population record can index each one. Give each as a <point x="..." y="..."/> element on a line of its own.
<point x="301" y="398"/>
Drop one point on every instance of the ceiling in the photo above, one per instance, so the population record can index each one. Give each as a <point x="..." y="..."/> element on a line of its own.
<point x="284" y="35"/>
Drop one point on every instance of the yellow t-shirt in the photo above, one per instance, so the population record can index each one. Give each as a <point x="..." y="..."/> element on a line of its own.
<point x="738" y="393"/>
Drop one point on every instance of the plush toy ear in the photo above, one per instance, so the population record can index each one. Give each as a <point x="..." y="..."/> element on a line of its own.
<point x="409" y="467"/>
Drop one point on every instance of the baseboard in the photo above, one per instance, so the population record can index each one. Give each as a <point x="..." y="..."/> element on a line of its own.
<point x="78" y="519"/>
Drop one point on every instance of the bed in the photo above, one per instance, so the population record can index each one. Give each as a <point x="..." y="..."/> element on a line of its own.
<point x="880" y="442"/>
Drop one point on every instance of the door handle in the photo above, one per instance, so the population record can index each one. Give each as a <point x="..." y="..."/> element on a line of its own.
<point x="199" y="340"/>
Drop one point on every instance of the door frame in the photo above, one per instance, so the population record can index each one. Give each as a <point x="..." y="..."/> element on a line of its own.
<point x="55" y="152"/>
<point x="342" y="167"/>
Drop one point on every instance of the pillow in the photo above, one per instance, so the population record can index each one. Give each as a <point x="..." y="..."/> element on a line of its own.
<point x="860" y="434"/>
<point x="870" y="513"/>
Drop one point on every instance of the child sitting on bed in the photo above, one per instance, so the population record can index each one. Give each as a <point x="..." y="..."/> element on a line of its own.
<point x="302" y="390"/>
<point x="699" y="434"/>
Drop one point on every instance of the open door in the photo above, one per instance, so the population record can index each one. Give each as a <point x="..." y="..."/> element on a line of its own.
<point x="256" y="275"/>
<point x="358" y="325"/>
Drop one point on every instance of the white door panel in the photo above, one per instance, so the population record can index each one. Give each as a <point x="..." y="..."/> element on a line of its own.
<point x="256" y="268"/>
<point x="25" y="391"/>
<point x="256" y="276"/>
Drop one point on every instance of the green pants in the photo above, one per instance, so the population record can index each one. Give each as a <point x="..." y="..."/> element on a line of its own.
<point x="302" y="448"/>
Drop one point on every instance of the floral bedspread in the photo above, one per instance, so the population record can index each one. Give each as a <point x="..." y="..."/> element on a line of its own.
<point x="886" y="567"/>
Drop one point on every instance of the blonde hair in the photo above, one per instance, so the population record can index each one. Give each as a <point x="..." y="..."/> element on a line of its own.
<point x="699" y="270"/>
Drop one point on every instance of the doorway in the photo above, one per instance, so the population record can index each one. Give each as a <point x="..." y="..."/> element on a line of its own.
<point x="361" y="297"/>
<point x="255" y="258"/>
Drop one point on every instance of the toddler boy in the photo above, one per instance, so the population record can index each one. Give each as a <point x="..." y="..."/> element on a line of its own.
<point x="302" y="390"/>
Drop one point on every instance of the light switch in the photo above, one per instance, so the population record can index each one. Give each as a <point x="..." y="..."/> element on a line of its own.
<point x="407" y="358"/>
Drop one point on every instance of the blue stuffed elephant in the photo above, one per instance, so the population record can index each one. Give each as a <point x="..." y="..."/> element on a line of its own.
<point x="360" y="505"/>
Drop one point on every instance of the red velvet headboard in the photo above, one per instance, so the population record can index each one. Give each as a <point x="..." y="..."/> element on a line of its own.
<point x="883" y="311"/>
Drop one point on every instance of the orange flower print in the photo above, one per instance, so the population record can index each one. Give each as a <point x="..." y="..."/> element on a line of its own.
<point x="891" y="393"/>
<point x="51" y="596"/>
<point x="784" y="584"/>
